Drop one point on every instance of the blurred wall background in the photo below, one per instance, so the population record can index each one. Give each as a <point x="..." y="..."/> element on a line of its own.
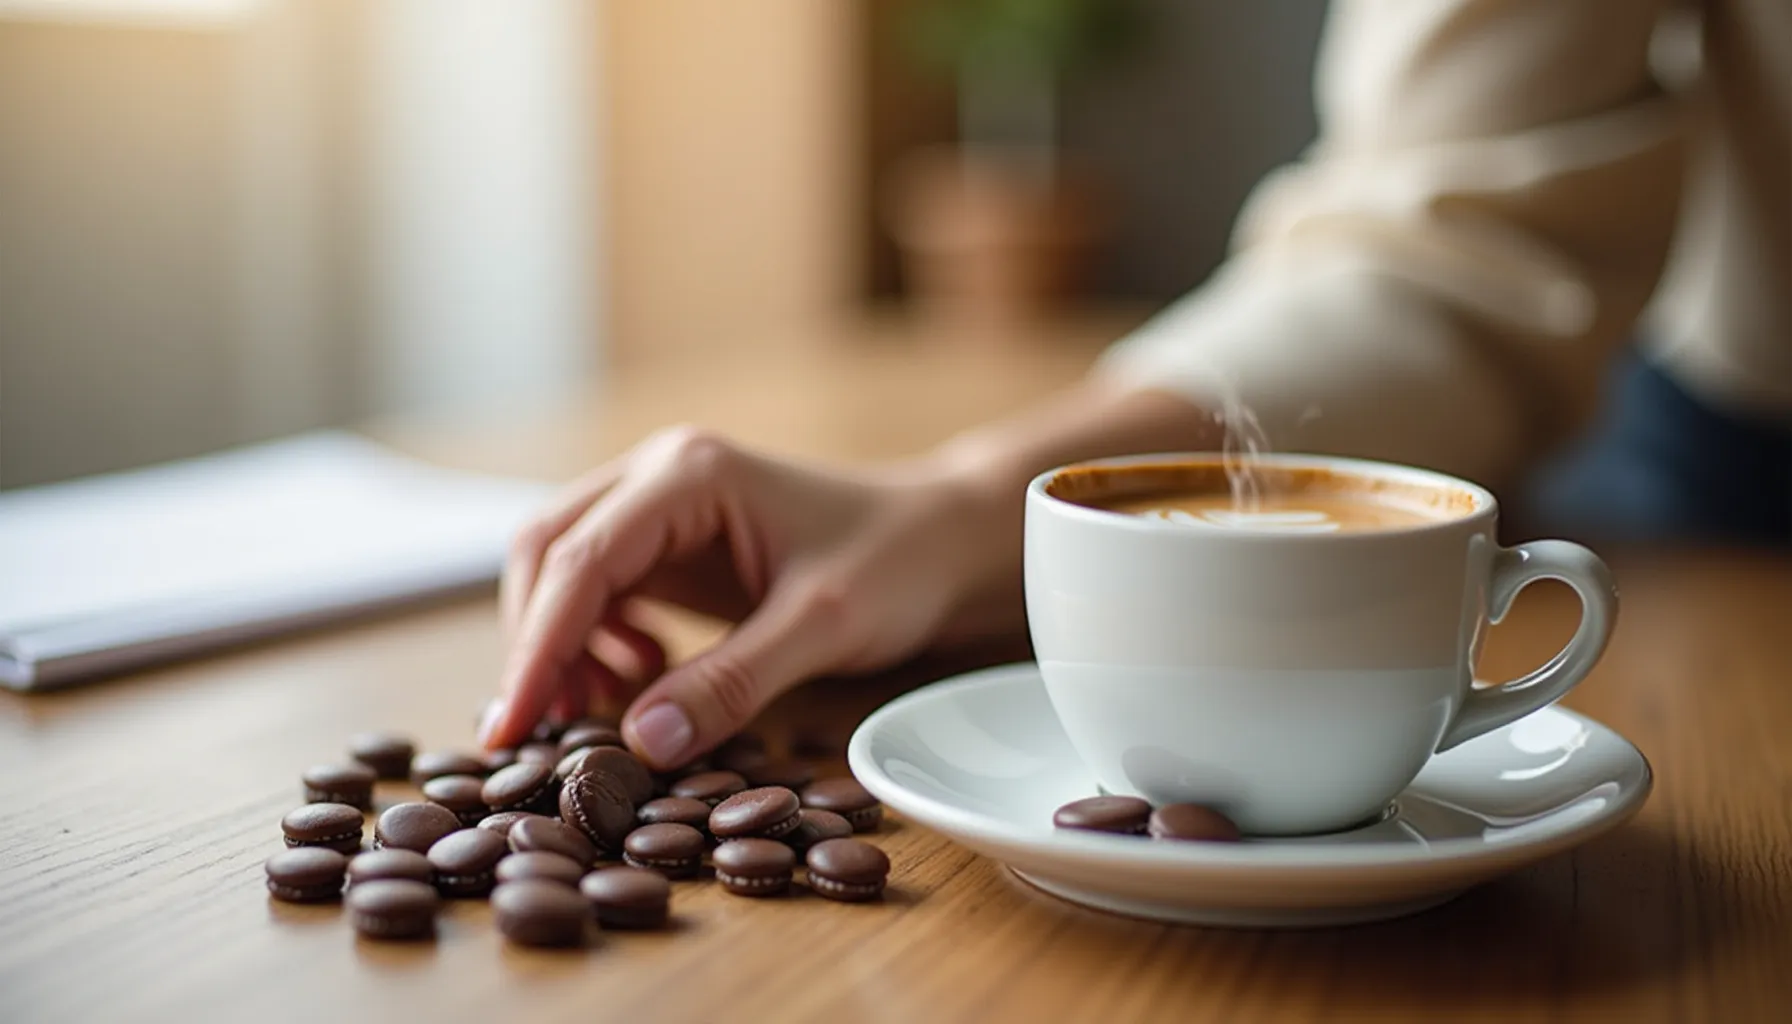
<point x="225" y="220"/>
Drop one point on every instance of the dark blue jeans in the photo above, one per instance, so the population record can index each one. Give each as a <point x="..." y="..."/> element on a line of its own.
<point x="1659" y="465"/>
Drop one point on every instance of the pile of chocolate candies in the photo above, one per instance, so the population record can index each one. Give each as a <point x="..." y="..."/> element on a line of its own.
<point x="568" y="829"/>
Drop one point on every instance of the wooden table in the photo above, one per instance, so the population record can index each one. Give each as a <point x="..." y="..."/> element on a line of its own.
<point x="137" y="813"/>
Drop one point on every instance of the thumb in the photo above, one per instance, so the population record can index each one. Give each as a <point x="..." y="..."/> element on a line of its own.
<point x="795" y="634"/>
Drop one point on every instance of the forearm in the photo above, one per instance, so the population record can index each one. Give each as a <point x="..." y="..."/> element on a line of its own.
<point x="982" y="476"/>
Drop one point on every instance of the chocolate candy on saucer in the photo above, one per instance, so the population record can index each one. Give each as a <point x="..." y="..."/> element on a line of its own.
<point x="847" y="798"/>
<point x="626" y="768"/>
<point x="432" y="764"/>
<point x="413" y="826"/>
<point x="680" y="810"/>
<point x="524" y="786"/>
<point x="596" y="804"/>
<point x="848" y="870"/>
<point x="769" y="812"/>
<point x="332" y="826"/>
<point x="753" y="867"/>
<point x="1192" y="823"/>
<point x="350" y="784"/>
<point x="389" y="865"/>
<point x="387" y="753"/>
<point x="1124" y="815"/>
<point x="790" y="774"/>
<point x="711" y="787"/>
<point x="465" y="862"/>
<point x="627" y="897"/>
<point x="461" y="794"/>
<point x="534" y="912"/>
<point x="503" y="821"/>
<point x="673" y="850"/>
<point x="306" y="874"/>
<point x="393" y="909"/>
<point x="589" y="734"/>
<point x="816" y="826"/>
<point x="540" y="865"/>
<point x="553" y="836"/>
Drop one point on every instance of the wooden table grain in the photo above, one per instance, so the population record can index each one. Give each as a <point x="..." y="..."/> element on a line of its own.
<point x="136" y="814"/>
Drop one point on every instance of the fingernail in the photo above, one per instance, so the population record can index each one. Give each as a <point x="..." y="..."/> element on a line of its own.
<point x="493" y="712"/>
<point x="664" y="732"/>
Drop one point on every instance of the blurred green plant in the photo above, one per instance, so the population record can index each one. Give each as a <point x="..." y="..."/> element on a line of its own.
<point x="1009" y="58"/>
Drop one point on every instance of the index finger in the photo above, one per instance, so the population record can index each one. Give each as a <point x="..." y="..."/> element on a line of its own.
<point x="610" y="549"/>
<point x="531" y="544"/>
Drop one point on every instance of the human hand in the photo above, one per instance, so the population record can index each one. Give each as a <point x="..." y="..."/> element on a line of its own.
<point x="822" y="570"/>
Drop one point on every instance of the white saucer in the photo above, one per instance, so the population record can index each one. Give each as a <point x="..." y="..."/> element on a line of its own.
<point x="982" y="759"/>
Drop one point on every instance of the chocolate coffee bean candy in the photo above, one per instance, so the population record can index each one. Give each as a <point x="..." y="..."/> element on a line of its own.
<point x="570" y="763"/>
<point x="740" y="753"/>
<point x="740" y="743"/>
<point x="540" y="865"/>
<point x="393" y="909"/>
<point x="695" y="766"/>
<point x="845" y="797"/>
<point x="548" y="730"/>
<point x="499" y="759"/>
<point x="816" y="826"/>
<point x="332" y="826"/>
<point x="673" y="850"/>
<point x="681" y="810"/>
<point x="711" y="787"/>
<point x="1192" y="822"/>
<point x="433" y="764"/>
<point x="628" y="770"/>
<point x="589" y="734"/>
<point x="350" y="784"/>
<point x="524" y="786"/>
<point x="627" y="897"/>
<point x="387" y="865"/>
<point x="306" y="874"/>
<point x="596" y="804"/>
<point x="387" y="753"/>
<point x="792" y="775"/>
<point x="769" y="812"/>
<point x="538" y="753"/>
<point x="462" y="794"/>
<point x="554" y="837"/>
<point x="413" y="826"/>
<point x="465" y="861"/>
<point x="503" y="821"/>
<point x="534" y="912"/>
<point x="849" y="870"/>
<point x="753" y="867"/>
<point x="1125" y="815"/>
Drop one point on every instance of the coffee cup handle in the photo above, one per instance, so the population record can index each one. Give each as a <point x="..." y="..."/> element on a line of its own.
<point x="1514" y="569"/>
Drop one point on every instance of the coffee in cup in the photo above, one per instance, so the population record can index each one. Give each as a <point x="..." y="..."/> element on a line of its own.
<point x="1293" y="660"/>
<point x="1279" y="498"/>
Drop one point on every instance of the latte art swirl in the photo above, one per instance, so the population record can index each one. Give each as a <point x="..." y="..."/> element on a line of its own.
<point x="1295" y="511"/>
<point x="1278" y="521"/>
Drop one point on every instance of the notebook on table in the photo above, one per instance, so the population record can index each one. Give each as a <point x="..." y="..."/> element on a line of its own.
<point x="110" y="573"/>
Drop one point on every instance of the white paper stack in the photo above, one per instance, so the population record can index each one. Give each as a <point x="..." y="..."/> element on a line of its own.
<point x="113" y="572"/>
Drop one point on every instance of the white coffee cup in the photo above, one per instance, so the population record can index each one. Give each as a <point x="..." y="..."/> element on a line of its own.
<point x="1294" y="681"/>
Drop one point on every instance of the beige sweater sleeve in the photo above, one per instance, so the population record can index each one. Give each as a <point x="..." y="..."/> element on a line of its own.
<point x="1443" y="277"/>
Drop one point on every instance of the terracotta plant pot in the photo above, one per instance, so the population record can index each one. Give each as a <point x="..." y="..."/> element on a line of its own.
<point x="989" y="237"/>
